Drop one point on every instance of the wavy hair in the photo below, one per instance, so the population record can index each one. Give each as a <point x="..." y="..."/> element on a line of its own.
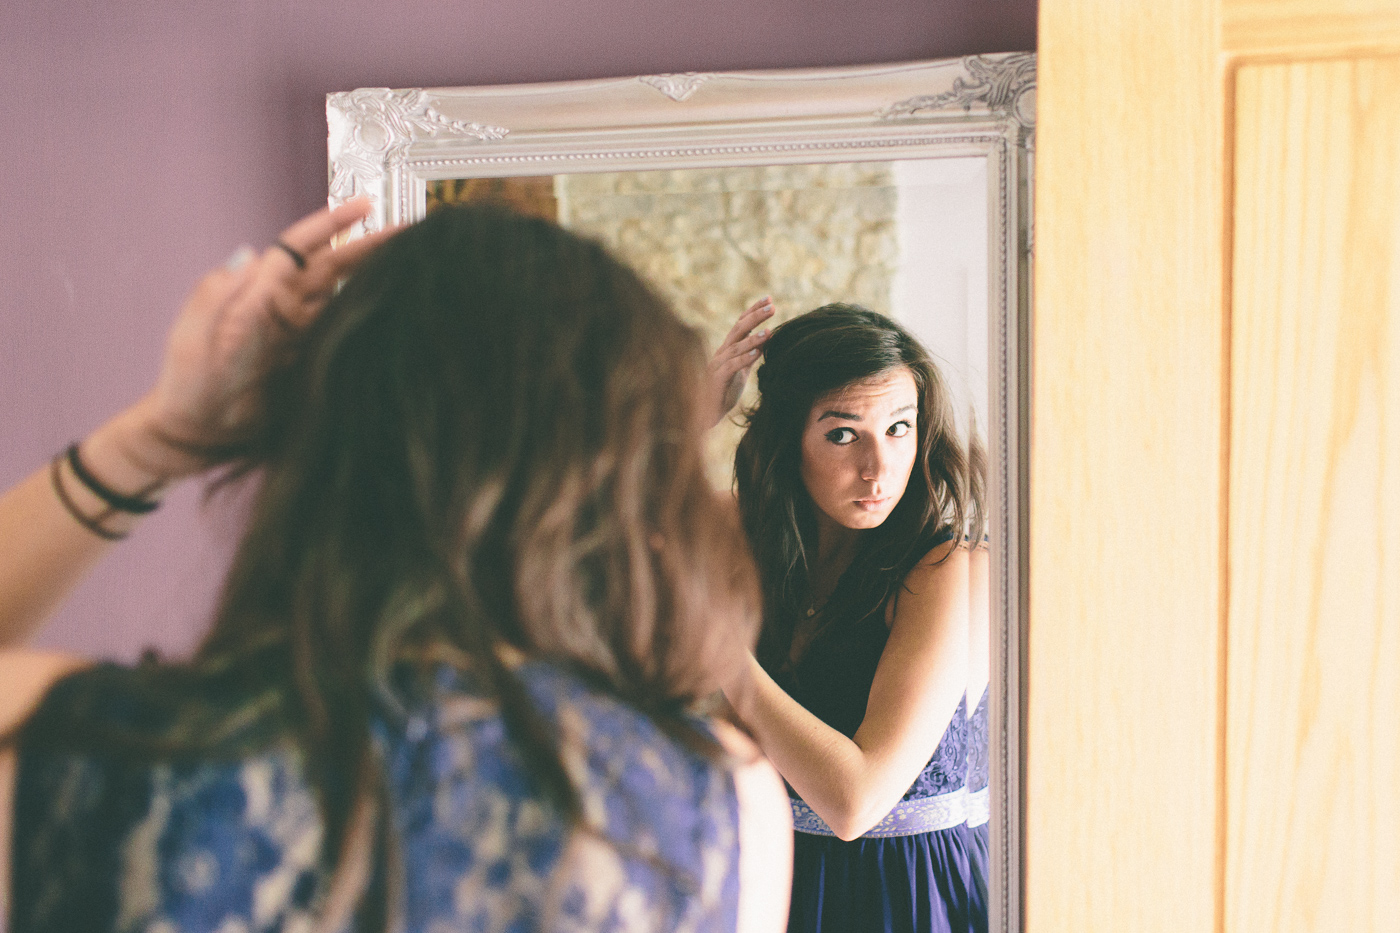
<point x="490" y="436"/>
<point x="807" y="358"/>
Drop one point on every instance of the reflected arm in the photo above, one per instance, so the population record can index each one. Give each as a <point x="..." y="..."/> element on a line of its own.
<point x="852" y="783"/>
<point x="979" y="652"/>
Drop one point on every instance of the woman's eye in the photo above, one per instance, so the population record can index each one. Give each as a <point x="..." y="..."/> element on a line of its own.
<point x="899" y="429"/>
<point x="841" y="435"/>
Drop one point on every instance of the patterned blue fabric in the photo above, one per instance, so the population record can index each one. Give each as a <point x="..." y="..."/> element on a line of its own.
<point x="979" y="795"/>
<point x="236" y="847"/>
<point x="946" y="770"/>
<point x="978" y="759"/>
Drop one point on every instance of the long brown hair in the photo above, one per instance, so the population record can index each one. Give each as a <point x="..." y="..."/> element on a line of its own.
<point x="806" y="358"/>
<point x="490" y="436"/>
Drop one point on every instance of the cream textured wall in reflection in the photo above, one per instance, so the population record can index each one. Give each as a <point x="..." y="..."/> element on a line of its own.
<point x="715" y="240"/>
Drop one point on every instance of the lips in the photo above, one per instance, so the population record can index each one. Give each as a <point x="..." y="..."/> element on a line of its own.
<point x="872" y="503"/>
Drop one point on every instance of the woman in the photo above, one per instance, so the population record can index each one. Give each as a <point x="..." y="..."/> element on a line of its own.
<point x="447" y="683"/>
<point x="854" y="492"/>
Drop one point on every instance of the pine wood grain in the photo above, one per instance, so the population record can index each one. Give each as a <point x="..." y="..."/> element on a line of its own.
<point x="1309" y="28"/>
<point x="1127" y="475"/>
<point x="1313" y="726"/>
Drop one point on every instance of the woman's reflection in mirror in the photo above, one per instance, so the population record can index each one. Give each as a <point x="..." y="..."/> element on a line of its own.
<point x="858" y="499"/>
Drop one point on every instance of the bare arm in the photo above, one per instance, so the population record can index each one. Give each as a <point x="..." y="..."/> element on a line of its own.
<point x="979" y="651"/>
<point x="853" y="782"/>
<point x="233" y="329"/>
<point x="44" y="552"/>
<point x="765" y="836"/>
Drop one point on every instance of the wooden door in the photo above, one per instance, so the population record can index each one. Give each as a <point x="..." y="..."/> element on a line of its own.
<point x="1214" y="644"/>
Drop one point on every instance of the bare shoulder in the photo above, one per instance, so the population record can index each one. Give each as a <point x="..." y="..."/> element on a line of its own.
<point x="27" y="676"/>
<point x="938" y="580"/>
<point x="739" y="746"/>
<point x="765" y="835"/>
<point x="943" y="569"/>
<point x="756" y="782"/>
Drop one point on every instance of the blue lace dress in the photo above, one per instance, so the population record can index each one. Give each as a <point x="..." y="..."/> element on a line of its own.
<point x="979" y="795"/>
<point x="106" y="844"/>
<point x="896" y="878"/>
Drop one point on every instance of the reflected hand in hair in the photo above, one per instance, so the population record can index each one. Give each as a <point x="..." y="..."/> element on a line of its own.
<point x="729" y="368"/>
<point x="238" y="324"/>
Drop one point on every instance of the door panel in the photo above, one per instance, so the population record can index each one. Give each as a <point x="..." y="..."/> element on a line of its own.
<point x="1313" y="722"/>
<point x="1213" y="724"/>
<point x="1126" y="492"/>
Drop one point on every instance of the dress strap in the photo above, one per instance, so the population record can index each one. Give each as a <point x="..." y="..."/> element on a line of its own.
<point x="908" y="818"/>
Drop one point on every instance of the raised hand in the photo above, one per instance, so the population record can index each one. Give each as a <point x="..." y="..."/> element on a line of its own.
<point x="236" y="326"/>
<point x="729" y="368"/>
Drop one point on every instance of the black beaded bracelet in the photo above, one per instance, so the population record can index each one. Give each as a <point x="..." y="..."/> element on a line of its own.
<point x="132" y="504"/>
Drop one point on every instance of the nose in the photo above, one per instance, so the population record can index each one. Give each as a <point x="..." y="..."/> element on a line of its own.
<point x="872" y="462"/>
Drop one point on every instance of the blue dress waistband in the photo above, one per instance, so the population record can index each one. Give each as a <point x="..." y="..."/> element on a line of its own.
<point x="979" y="807"/>
<point x="908" y="818"/>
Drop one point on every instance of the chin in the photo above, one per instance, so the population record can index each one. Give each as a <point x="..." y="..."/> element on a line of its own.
<point x="862" y="521"/>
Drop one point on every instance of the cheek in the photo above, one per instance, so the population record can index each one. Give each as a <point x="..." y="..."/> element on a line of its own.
<point x="821" y="469"/>
<point x="908" y="454"/>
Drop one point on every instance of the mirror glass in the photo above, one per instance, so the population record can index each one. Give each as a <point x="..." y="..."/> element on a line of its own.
<point x="904" y="188"/>
<point x="906" y="239"/>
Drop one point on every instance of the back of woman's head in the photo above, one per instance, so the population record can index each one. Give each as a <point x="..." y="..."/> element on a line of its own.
<point x="805" y="359"/>
<point x="492" y="435"/>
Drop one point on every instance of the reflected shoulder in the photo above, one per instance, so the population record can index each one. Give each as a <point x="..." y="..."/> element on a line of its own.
<point x="946" y="561"/>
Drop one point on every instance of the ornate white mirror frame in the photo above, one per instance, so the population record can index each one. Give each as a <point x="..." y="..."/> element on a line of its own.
<point x="390" y="144"/>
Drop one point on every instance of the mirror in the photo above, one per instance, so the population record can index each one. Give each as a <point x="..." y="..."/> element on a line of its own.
<point x="904" y="188"/>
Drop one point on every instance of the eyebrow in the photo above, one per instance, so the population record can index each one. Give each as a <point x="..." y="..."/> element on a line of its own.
<point x="832" y="413"/>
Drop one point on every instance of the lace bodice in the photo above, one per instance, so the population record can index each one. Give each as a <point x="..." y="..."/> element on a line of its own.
<point x="946" y="769"/>
<point x="978" y="760"/>
<point x="124" y="845"/>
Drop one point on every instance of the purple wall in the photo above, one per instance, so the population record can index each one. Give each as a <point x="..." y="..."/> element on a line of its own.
<point x="146" y="140"/>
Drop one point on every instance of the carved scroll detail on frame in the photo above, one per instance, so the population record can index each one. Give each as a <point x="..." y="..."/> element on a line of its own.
<point x="678" y="87"/>
<point x="1003" y="86"/>
<point x="371" y="130"/>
